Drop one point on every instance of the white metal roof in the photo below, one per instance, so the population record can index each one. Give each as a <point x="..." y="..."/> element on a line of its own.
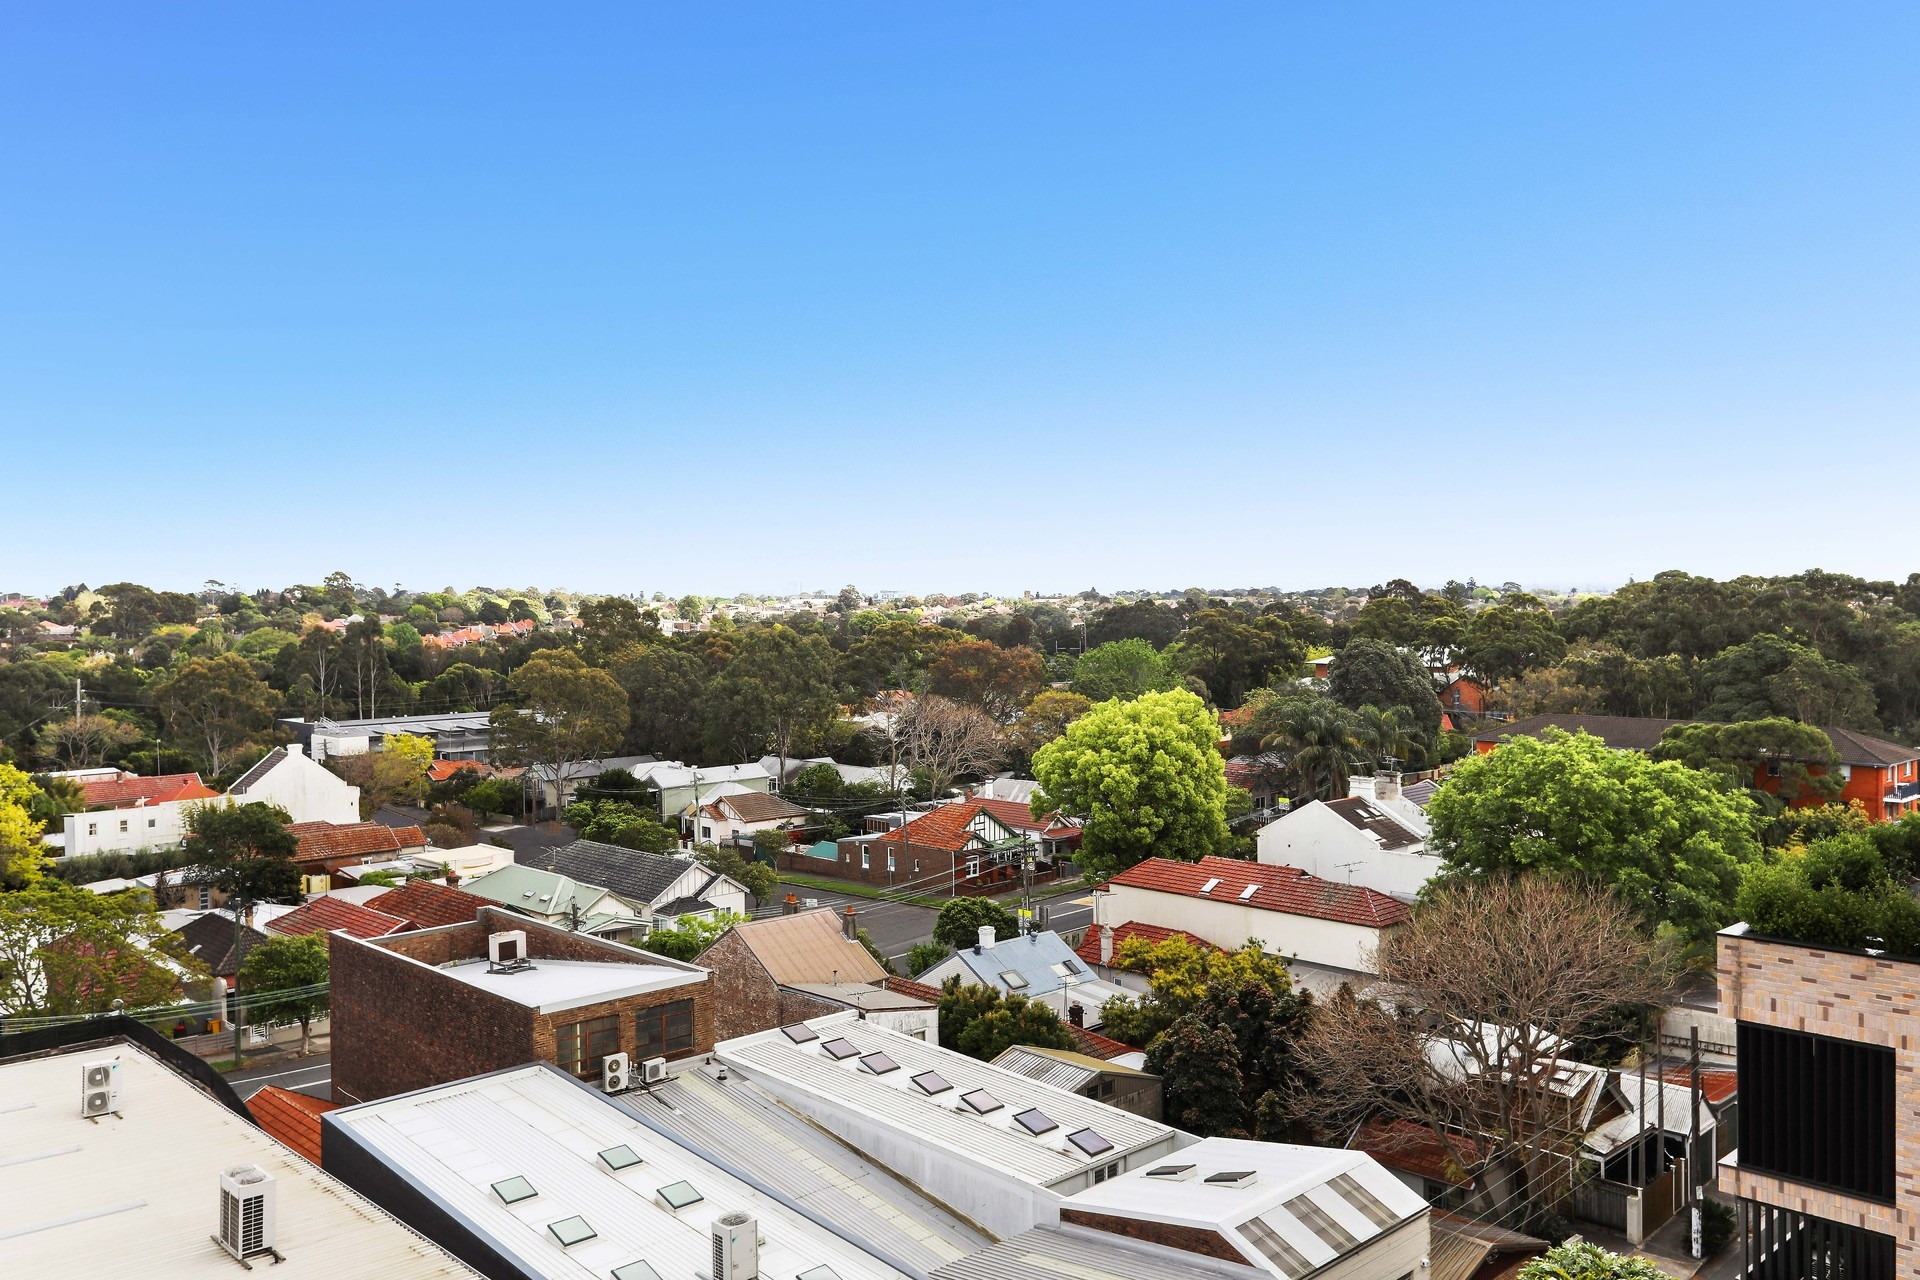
<point x="138" y="1193"/>
<point x="892" y="1099"/>
<point x="553" y="985"/>
<point x="456" y="1141"/>
<point x="1290" y="1187"/>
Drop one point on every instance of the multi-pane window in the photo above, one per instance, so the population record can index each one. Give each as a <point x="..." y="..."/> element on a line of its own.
<point x="583" y="1044"/>
<point x="663" y="1029"/>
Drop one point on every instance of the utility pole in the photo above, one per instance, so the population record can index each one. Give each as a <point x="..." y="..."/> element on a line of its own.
<point x="1696" y="1188"/>
<point x="76" y="700"/>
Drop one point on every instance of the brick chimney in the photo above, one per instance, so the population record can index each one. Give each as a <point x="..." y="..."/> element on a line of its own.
<point x="1106" y="944"/>
<point x="1077" y="1014"/>
<point x="791" y="907"/>
<point x="1386" y="786"/>
<point x="850" y="926"/>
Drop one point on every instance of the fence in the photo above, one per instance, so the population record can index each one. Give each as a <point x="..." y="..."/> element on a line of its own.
<point x="1635" y="1212"/>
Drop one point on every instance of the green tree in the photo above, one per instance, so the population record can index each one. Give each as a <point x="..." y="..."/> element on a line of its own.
<point x="1044" y="719"/>
<point x="960" y="919"/>
<point x="1145" y="776"/>
<point x="66" y="950"/>
<point x="690" y="936"/>
<point x="1669" y="840"/>
<point x="1199" y="1066"/>
<point x="778" y="687"/>
<point x="417" y="753"/>
<point x="922" y="956"/>
<point x="666" y="690"/>
<point x="1372" y="673"/>
<point x="980" y="673"/>
<point x="1509" y="639"/>
<point x="610" y="624"/>
<point x="1232" y="656"/>
<point x="620" y="822"/>
<point x="277" y="978"/>
<point x="981" y="1023"/>
<point x="1319" y="737"/>
<point x="1582" y="1260"/>
<point x="1736" y="753"/>
<point x="1771" y="676"/>
<point x="568" y="712"/>
<point x="218" y="702"/>
<point x="894" y="654"/>
<point x="1121" y="669"/>
<point x="758" y="877"/>
<point x="21" y="859"/>
<point x="1836" y="892"/>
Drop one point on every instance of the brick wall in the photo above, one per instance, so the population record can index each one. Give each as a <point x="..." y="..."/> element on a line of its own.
<point x="1860" y="998"/>
<point x="1210" y="1244"/>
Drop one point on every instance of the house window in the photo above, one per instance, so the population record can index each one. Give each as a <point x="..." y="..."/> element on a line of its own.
<point x="973" y="867"/>
<point x="152" y="823"/>
<point x="93" y="828"/>
<point x="663" y="1029"/>
<point x="206" y="898"/>
<point x="123" y="826"/>
<point x="889" y="862"/>
<point x="1817" y="1110"/>
<point x="584" y="1044"/>
<point x="866" y="859"/>
<point x="916" y="866"/>
<point x="706" y="832"/>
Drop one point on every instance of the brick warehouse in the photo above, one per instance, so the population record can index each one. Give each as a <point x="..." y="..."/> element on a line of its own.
<point x="1830" y="1107"/>
<point x="418" y="1009"/>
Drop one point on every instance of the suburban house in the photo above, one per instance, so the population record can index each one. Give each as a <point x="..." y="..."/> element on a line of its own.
<point x="666" y="888"/>
<point x="326" y="847"/>
<point x="679" y="787"/>
<point x="328" y="914"/>
<point x="1114" y="1083"/>
<point x="422" y="1008"/>
<point x="126" y="813"/>
<point x="456" y="735"/>
<point x="1262" y="777"/>
<point x="805" y="964"/>
<point x="426" y="905"/>
<point x="1884" y="777"/>
<point x="287" y="777"/>
<point x="1314" y="922"/>
<point x="1100" y="950"/>
<point x="734" y="818"/>
<point x="957" y="848"/>
<point x="1040" y="966"/>
<point x="563" y="902"/>
<point x="1374" y="838"/>
<point x="209" y="938"/>
<point x="1053" y="835"/>
<point x="850" y="774"/>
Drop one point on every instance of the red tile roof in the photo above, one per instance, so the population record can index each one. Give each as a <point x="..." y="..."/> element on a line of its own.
<point x="1089" y="948"/>
<point x="1402" y="1144"/>
<point x="908" y="987"/>
<point x="345" y="842"/>
<point x="944" y="828"/>
<point x="1020" y="817"/>
<point x="324" y="915"/>
<point x="1277" y="888"/>
<point x="1095" y="1045"/>
<point x="1716" y="1086"/>
<point x="292" y="1118"/>
<point x="121" y="793"/>
<point x="426" y="905"/>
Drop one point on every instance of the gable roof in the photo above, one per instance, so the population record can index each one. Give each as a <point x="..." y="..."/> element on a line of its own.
<point x="327" y="841"/>
<point x="1095" y="1045"/>
<point x="324" y="915"/>
<point x="809" y="947"/>
<point x="292" y="1118"/>
<point x="262" y="767"/>
<point x="209" y="939"/>
<point x="1033" y="957"/>
<point x="1403" y="1144"/>
<point x="121" y="793"/>
<point x="631" y="873"/>
<point x="426" y="905"/>
<point x="1089" y="948"/>
<point x="1018" y="817"/>
<point x="757" y="806"/>
<point x="1858" y="748"/>
<point x="948" y="828"/>
<point x="908" y="987"/>
<point x="1420" y="792"/>
<point x="537" y="891"/>
<point x="1364" y="815"/>
<point x="1642" y="733"/>
<point x="1275" y="888"/>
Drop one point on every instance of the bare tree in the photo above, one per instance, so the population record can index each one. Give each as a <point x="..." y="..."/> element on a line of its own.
<point x="941" y="739"/>
<point x="1486" y="999"/>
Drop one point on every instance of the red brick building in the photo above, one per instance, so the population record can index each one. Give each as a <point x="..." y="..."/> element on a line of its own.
<point x="416" y="1009"/>
<point x="957" y="848"/>
<point x="325" y="847"/>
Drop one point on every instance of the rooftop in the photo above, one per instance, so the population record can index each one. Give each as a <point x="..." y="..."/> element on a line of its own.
<point x="1061" y="1068"/>
<point x="1388" y="831"/>
<point x="519" y="1153"/>
<point x="535" y="890"/>
<point x="638" y="876"/>
<point x="1152" y="934"/>
<point x="426" y="905"/>
<point x="1265" y="887"/>
<point x="1075" y="1253"/>
<point x="293" y="1118"/>
<point x="137" y="1193"/>
<point x="809" y="946"/>
<point x="129" y="790"/>
<point x="326" y="841"/>
<point x="326" y="914"/>
<point x="897" y="1096"/>
<point x="1642" y="733"/>
<point x="954" y="827"/>
<point x="550" y="986"/>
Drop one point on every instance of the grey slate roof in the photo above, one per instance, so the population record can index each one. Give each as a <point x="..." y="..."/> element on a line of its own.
<point x="209" y="938"/>
<point x="636" y="876"/>
<point x="1642" y="733"/>
<point x="259" y="771"/>
<point x="1032" y="957"/>
<point x="1371" y="818"/>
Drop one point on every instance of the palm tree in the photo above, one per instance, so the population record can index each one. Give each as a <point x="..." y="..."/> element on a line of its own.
<point x="1323" y="744"/>
<point x="1387" y="736"/>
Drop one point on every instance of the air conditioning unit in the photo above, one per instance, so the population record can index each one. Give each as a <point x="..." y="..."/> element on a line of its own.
<point x="653" y="1071"/>
<point x="507" y="950"/>
<point x="736" y="1247"/>
<point x="100" y="1088"/>
<point x="616" y="1073"/>
<point x="246" y="1211"/>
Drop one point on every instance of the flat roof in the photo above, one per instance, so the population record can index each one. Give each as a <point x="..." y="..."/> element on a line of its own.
<point x="457" y="1142"/>
<point x="550" y="986"/>
<point x="138" y="1193"/>
<point x="943" y="1118"/>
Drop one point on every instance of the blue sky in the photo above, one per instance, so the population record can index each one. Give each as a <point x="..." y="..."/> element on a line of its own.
<point x="959" y="297"/>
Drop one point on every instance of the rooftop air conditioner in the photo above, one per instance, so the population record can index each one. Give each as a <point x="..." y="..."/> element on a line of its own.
<point x="736" y="1247"/>
<point x="100" y="1088"/>
<point x="653" y="1070"/>
<point x="507" y="950"/>
<point x="246" y="1211"/>
<point x="616" y="1073"/>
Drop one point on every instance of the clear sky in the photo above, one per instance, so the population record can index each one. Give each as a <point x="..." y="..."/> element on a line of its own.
<point x="955" y="296"/>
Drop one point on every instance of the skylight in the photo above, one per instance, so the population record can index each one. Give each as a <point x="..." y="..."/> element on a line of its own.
<point x="1035" y="1121"/>
<point x="1170" y="1172"/>
<point x="1348" y="1188"/>
<point x="1248" y="892"/>
<point x="1012" y="979"/>
<point x="1068" y="968"/>
<point x="1317" y="1220"/>
<point x="620" y="1157"/>
<point x="821" y="1272"/>
<point x="571" y="1231"/>
<point x="931" y="1082"/>
<point x="879" y="1063"/>
<point x="800" y="1033"/>
<point x="1277" y="1251"/>
<point x="637" y="1270"/>
<point x="1231" y="1178"/>
<point x="840" y="1050"/>
<point x="678" y="1195"/>
<point x="513" y="1190"/>
<point x="1213" y="882"/>
<point x="1089" y="1142"/>
<point x="982" y="1102"/>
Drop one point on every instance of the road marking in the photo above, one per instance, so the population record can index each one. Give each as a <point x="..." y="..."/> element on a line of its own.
<point x="324" y="1066"/>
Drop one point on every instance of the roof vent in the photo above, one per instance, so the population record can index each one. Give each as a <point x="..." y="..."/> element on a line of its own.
<point x="507" y="952"/>
<point x="1171" y="1173"/>
<point x="246" y="1212"/>
<point x="1233" y="1179"/>
<point x="736" y="1247"/>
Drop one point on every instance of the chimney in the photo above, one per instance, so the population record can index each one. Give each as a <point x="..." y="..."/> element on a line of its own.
<point x="295" y="749"/>
<point x="1106" y="944"/>
<point x="791" y="906"/>
<point x="984" y="940"/>
<point x="1386" y="786"/>
<point x="850" y="926"/>
<point x="1077" y="1014"/>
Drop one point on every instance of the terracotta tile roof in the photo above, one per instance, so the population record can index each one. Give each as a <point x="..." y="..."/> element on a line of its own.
<point x="121" y="793"/>
<point x="944" y="828"/>
<point x="1019" y="817"/>
<point x="441" y="770"/>
<point x="426" y="905"/>
<point x="1089" y="948"/>
<point x="1276" y="888"/>
<point x="1402" y="1144"/>
<point x="346" y="842"/>
<point x="1716" y="1086"/>
<point x="1237" y="716"/>
<point x="908" y="987"/>
<point x="291" y="1118"/>
<point x="1095" y="1045"/>
<point x="323" y="915"/>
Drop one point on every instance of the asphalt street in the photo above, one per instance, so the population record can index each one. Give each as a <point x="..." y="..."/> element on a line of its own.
<point x="897" y="927"/>
<point x="312" y="1076"/>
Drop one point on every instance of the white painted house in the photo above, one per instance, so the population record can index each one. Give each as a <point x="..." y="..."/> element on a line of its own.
<point x="307" y="790"/>
<point x="1374" y="838"/>
<point x="128" y="813"/>
<point x="1227" y="901"/>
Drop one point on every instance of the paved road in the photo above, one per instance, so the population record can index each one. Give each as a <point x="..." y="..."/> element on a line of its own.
<point x="305" y="1075"/>
<point x="897" y="927"/>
